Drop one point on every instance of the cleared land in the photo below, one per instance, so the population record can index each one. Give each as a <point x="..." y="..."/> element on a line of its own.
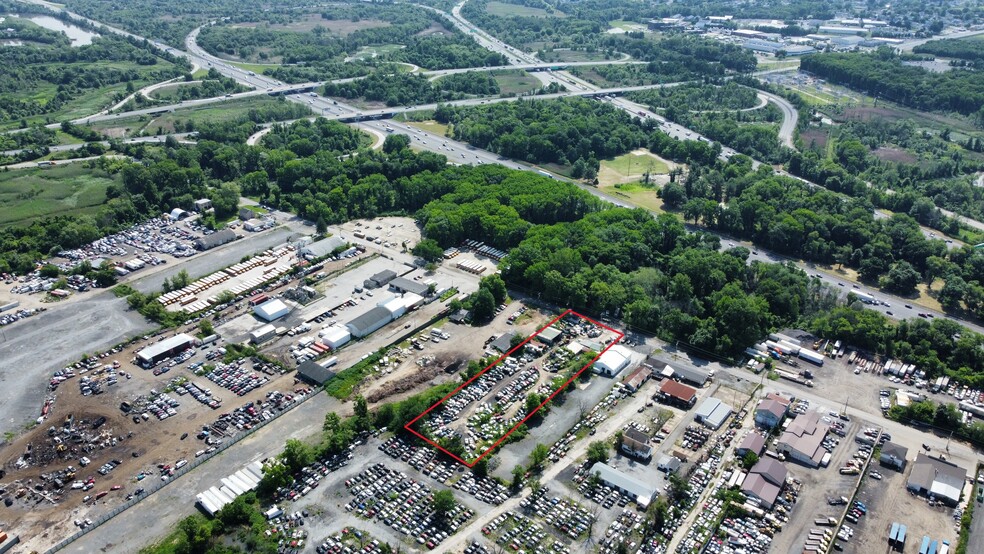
<point x="430" y="126"/>
<point x="576" y="56"/>
<point x="32" y="193"/>
<point x="310" y="21"/>
<point x="502" y="9"/>
<point x="632" y="167"/>
<point x="515" y="81"/>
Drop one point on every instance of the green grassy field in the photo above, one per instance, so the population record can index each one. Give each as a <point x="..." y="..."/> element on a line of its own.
<point x="576" y="56"/>
<point x="375" y="51"/>
<point x="515" y="81"/>
<point x="636" y="164"/>
<point x="430" y="126"/>
<point x="502" y="9"/>
<point x="257" y="68"/>
<point x="27" y="194"/>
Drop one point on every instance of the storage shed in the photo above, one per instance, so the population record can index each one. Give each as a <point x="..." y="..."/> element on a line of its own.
<point x="271" y="310"/>
<point x="262" y="334"/>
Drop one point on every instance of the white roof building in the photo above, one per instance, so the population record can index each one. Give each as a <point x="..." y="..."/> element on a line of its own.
<point x="335" y="336"/>
<point x="640" y="491"/>
<point x="613" y="361"/>
<point x="271" y="310"/>
<point x="395" y="306"/>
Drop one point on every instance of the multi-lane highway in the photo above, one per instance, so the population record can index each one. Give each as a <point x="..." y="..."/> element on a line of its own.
<point x="461" y="153"/>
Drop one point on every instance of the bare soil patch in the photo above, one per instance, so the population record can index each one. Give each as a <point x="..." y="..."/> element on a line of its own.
<point x="893" y="154"/>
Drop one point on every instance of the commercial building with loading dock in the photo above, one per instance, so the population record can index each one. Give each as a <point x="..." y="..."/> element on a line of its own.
<point x="164" y="349"/>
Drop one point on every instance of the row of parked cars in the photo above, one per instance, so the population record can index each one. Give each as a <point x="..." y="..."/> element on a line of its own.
<point x="519" y="532"/>
<point x="564" y="514"/>
<point x="7" y="319"/>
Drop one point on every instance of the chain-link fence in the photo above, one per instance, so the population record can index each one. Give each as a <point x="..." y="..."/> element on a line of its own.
<point x="158" y="485"/>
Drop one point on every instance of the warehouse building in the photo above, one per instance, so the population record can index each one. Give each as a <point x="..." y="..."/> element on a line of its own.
<point x="271" y="310"/>
<point x="335" y="337"/>
<point x="216" y="498"/>
<point x="668" y="464"/>
<point x="503" y="343"/>
<point x="634" y="488"/>
<point x="402" y="284"/>
<point x="693" y="376"/>
<point x="549" y="335"/>
<point x="217" y="238"/>
<point x="637" y="378"/>
<point x="154" y="353"/>
<point x="765" y="481"/>
<point x="394" y="306"/>
<point x="802" y="440"/>
<point x="936" y="479"/>
<point x="380" y="279"/>
<point x="369" y="322"/>
<point x="712" y="413"/>
<point x="262" y="334"/>
<point x="677" y="394"/>
<point x="613" y="361"/>
<point x="253" y="225"/>
<point x="314" y="373"/>
<point x="322" y="248"/>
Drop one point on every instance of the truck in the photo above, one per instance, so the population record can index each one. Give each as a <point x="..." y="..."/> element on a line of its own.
<point x="544" y="173"/>
<point x="825" y="521"/>
<point x="811" y="356"/>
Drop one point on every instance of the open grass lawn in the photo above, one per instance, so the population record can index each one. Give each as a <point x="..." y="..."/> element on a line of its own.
<point x="637" y="163"/>
<point x="169" y="92"/>
<point x="309" y="21"/>
<point x="515" y="81"/>
<point x="772" y="63"/>
<point x="27" y="194"/>
<point x="637" y="195"/>
<point x="375" y="51"/>
<point x="626" y="26"/>
<point x="430" y="126"/>
<point x="84" y="104"/>
<point x="502" y="9"/>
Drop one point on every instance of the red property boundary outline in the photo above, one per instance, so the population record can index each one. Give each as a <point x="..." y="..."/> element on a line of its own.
<point x="408" y="426"/>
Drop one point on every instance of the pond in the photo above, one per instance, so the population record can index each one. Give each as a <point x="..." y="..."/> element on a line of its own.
<point x="78" y="35"/>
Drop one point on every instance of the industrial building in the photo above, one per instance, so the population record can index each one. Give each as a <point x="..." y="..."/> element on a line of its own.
<point x="753" y="442"/>
<point x="253" y="225"/>
<point x="936" y="479"/>
<point x="634" y="488"/>
<point x="712" y="413"/>
<point x="394" y="306"/>
<point x="177" y="214"/>
<point x="613" y="361"/>
<point x="769" y="413"/>
<point x="322" y="248"/>
<point x="637" y="378"/>
<point x="262" y="334"/>
<point x="314" y="373"/>
<point x="765" y="481"/>
<point x="203" y="205"/>
<point x="678" y="394"/>
<point x="693" y="376"/>
<point x="216" y="498"/>
<point x="402" y="284"/>
<point x="635" y="443"/>
<point x="217" y="238"/>
<point x="802" y="439"/>
<point x="893" y="455"/>
<point x="154" y="353"/>
<point x="380" y="279"/>
<point x="549" y="335"/>
<point x="335" y="337"/>
<point x="271" y="310"/>
<point x="369" y="322"/>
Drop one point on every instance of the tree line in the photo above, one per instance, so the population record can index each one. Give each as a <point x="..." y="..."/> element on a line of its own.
<point x="883" y="75"/>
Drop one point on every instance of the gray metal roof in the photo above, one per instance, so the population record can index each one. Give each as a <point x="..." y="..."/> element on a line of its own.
<point x="165" y="345"/>
<point x="403" y="284"/>
<point x="625" y="482"/>
<point x="217" y="238"/>
<point x="692" y="375"/>
<point x="370" y="319"/>
<point x="896" y="450"/>
<point x="323" y="247"/>
<point x="503" y="343"/>
<point x="772" y="470"/>
<point x="313" y="372"/>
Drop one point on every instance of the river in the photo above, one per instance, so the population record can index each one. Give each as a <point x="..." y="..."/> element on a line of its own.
<point x="78" y="35"/>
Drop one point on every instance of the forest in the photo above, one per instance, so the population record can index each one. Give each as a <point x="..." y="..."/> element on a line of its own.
<point x="970" y="49"/>
<point x="567" y="131"/>
<point x="883" y="75"/>
<point x="404" y="89"/>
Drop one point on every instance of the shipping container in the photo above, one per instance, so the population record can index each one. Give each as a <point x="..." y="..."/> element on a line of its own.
<point x="811" y="356"/>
